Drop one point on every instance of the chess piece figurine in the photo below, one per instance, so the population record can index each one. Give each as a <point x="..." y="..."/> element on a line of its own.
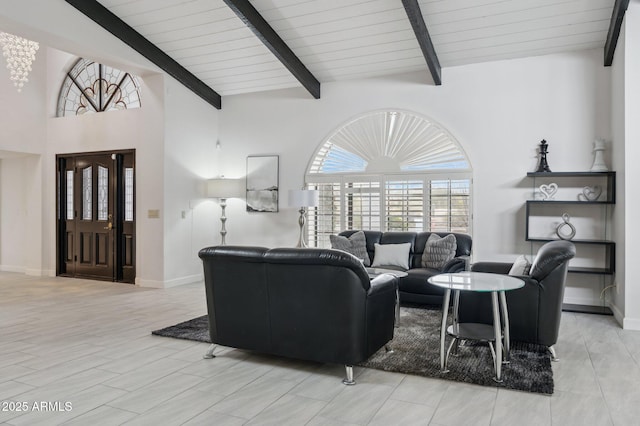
<point x="543" y="166"/>
<point x="598" y="156"/>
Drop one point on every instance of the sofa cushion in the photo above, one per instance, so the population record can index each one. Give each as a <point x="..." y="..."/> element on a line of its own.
<point x="416" y="282"/>
<point x="438" y="251"/>
<point x="521" y="266"/>
<point x="356" y="244"/>
<point x="392" y="255"/>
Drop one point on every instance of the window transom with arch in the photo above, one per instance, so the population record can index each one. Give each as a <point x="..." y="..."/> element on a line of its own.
<point x="91" y="87"/>
<point x="390" y="171"/>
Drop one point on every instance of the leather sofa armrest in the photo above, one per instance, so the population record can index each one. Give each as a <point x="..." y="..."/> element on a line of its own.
<point x="383" y="283"/>
<point x="457" y="264"/>
<point x="492" y="267"/>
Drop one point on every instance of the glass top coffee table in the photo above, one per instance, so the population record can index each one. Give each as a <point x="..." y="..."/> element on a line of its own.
<point x="481" y="282"/>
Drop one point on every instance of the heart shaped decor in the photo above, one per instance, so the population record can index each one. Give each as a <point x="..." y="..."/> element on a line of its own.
<point x="548" y="191"/>
<point x="592" y="193"/>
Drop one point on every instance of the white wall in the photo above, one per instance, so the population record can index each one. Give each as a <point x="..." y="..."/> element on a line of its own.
<point x="618" y="160"/>
<point x="631" y="154"/>
<point x="21" y="215"/>
<point x="190" y="158"/>
<point x="22" y="139"/>
<point x="498" y="111"/>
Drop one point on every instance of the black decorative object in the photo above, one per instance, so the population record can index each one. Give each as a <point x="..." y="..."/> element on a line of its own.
<point x="543" y="166"/>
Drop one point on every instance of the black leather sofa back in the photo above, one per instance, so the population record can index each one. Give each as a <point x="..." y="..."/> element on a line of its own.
<point x="417" y="239"/>
<point x="312" y="304"/>
<point x="414" y="288"/>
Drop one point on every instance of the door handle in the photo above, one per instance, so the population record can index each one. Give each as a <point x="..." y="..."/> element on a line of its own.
<point x="109" y="226"/>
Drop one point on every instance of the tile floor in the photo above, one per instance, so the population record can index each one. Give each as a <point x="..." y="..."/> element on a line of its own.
<point x="88" y="343"/>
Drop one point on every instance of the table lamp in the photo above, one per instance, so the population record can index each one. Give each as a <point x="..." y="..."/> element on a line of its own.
<point x="303" y="198"/>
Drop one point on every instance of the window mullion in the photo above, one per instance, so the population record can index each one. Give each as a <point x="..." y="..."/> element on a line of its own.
<point x="426" y="194"/>
<point x="384" y="226"/>
<point x="343" y="204"/>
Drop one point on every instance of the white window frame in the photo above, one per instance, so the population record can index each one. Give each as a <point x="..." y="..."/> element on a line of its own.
<point x="382" y="179"/>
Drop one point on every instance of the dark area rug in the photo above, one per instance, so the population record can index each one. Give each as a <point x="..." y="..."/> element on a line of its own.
<point x="416" y="350"/>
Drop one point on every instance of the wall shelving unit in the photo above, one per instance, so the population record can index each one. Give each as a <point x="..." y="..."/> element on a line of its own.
<point x="609" y="246"/>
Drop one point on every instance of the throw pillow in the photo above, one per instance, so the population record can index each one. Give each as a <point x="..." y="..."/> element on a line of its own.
<point x="392" y="255"/>
<point x="521" y="266"/>
<point x="356" y="244"/>
<point x="438" y="251"/>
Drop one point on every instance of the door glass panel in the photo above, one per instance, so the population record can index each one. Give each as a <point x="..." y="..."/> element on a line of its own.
<point x="103" y="193"/>
<point x="128" y="194"/>
<point x="69" y="194"/>
<point x="87" y="193"/>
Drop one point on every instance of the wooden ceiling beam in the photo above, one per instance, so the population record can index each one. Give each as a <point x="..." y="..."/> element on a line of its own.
<point x="617" y="16"/>
<point x="116" y="26"/>
<point x="422" y="34"/>
<point x="267" y="35"/>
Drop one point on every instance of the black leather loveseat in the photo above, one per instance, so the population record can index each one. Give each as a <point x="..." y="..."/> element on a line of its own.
<point x="414" y="288"/>
<point x="311" y="304"/>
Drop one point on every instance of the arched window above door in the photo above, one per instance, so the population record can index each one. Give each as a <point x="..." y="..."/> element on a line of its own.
<point x="91" y="87"/>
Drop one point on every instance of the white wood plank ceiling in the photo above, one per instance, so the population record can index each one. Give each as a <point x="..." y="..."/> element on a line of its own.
<point x="347" y="39"/>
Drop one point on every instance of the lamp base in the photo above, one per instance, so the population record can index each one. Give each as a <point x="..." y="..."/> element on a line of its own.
<point x="223" y="219"/>
<point x="302" y="220"/>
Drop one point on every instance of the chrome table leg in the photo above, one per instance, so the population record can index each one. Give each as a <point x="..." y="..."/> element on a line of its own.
<point x="397" y="323"/>
<point x="498" y="335"/>
<point x="443" y="331"/>
<point x="505" y="327"/>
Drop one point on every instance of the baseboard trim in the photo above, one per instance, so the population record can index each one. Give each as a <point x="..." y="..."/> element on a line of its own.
<point x="617" y="314"/>
<point x="169" y="283"/>
<point x="9" y="268"/>
<point x="582" y="301"/>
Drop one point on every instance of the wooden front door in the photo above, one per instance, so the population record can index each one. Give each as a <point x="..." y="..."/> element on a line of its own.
<point x="96" y="226"/>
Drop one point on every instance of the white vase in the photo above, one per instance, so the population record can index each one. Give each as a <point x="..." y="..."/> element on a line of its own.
<point x="598" y="156"/>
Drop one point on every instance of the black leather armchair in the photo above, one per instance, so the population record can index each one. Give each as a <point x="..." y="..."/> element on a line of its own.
<point x="311" y="304"/>
<point x="535" y="310"/>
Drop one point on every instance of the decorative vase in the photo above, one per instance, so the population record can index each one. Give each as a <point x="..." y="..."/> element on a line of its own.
<point x="598" y="156"/>
<point x="542" y="163"/>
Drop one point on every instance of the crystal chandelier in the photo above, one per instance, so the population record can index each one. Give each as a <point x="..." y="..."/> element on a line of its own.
<point x="20" y="54"/>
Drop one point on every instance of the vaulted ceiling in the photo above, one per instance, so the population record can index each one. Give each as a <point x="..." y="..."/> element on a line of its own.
<point x="224" y="48"/>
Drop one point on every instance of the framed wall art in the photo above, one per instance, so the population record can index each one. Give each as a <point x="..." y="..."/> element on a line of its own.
<point x="262" y="183"/>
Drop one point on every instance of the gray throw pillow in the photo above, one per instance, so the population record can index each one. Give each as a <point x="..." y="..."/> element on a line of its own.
<point x="356" y="244"/>
<point x="438" y="251"/>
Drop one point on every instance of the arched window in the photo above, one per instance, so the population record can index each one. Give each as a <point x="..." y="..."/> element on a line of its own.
<point x="389" y="171"/>
<point x="92" y="87"/>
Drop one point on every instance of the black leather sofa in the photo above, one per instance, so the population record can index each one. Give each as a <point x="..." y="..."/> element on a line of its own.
<point x="414" y="288"/>
<point x="535" y="310"/>
<point x="310" y="304"/>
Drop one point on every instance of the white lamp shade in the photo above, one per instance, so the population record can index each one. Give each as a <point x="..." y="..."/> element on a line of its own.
<point x="226" y="188"/>
<point x="303" y="198"/>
